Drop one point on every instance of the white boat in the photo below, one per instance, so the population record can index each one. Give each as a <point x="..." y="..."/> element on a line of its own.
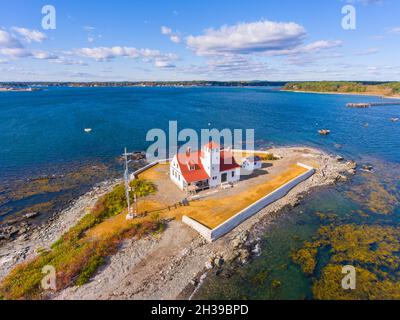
<point x="87" y="130"/>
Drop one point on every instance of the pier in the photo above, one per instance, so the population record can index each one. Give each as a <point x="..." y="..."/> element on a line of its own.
<point x="372" y="104"/>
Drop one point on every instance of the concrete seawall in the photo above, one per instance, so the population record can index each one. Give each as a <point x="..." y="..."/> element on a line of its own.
<point x="237" y="219"/>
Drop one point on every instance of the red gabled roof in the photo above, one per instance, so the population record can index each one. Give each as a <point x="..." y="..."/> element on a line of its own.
<point x="227" y="161"/>
<point x="198" y="174"/>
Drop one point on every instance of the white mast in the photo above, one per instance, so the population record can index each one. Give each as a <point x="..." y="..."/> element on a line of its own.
<point x="130" y="215"/>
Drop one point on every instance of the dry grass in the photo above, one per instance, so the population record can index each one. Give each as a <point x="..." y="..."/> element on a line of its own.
<point x="213" y="212"/>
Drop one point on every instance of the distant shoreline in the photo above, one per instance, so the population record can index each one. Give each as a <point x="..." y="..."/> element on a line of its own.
<point x="345" y="93"/>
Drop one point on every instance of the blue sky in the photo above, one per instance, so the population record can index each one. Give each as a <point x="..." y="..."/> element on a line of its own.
<point x="193" y="40"/>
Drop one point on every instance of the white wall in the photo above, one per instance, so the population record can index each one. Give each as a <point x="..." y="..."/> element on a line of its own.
<point x="212" y="235"/>
<point x="200" y="228"/>
<point x="174" y="168"/>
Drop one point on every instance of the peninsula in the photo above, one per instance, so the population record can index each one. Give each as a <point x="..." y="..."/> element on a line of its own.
<point x="383" y="89"/>
<point x="98" y="254"/>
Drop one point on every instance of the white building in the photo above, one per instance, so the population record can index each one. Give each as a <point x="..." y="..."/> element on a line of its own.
<point x="209" y="167"/>
<point x="252" y="163"/>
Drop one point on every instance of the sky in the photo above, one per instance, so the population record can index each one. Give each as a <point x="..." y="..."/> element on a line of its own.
<point x="169" y="40"/>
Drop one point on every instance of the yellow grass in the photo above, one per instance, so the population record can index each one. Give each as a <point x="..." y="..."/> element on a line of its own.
<point x="213" y="212"/>
<point x="210" y="212"/>
<point x="157" y="172"/>
<point x="115" y="224"/>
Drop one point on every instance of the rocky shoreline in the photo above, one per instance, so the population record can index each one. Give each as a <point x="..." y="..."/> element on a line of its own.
<point x="21" y="238"/>
<point x="173" y="264"/>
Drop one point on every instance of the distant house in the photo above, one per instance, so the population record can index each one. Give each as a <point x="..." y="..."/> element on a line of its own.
<point x="252" y="163"/>
<point x="209" y="167"/>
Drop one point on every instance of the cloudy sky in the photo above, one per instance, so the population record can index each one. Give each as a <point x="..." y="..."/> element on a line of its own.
<point x="193" y="40"/>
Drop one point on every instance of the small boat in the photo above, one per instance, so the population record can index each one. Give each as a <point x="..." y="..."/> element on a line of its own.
<point x="394" y="119"/>
<point x="324" y="132"/>
<point x="87" y="130"/>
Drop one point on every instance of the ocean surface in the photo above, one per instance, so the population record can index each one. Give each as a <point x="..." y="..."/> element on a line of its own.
<point x="42" y="133"/>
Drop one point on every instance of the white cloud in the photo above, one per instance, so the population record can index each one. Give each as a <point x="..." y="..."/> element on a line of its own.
<point x="30" y="35"/>
<point x="110" y="53"/>
<point x="165" y="30"/>
<point x="175" y="38"/>
<point x="8" y="41"/>
<point x="43" y="55"/>
<point x="69" y="62"/>
<point x="164" y="64"/>
<point x="245" y="38"/>
<point x="367" y="52"/>
<point x="395" y="30"/>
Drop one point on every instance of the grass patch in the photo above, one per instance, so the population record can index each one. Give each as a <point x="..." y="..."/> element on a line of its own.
<point x="75" y="256"/>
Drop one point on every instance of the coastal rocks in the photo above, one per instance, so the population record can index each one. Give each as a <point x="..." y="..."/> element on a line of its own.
<point x="367" y="168"/>
<point x="256" y="250"/>
<point x="341" y="178"/>
<point x="351" y="167"/>
<point x="244" y="256"/>
<point x="239" y="240"/>
<point x="30" y="215"/>
<point x="8" y="232"/>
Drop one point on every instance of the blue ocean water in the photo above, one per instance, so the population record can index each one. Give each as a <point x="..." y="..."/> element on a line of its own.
<point x="46" y="127"/>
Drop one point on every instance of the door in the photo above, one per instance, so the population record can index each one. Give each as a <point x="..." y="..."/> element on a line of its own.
<point x="224" y="177"/>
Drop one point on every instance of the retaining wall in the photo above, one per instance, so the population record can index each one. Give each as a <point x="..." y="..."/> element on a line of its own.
<point x="233" y="222"/>
<point x="146" y="167"/>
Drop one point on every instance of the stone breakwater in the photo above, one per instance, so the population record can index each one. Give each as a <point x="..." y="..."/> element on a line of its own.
<point x="171" y="265"/>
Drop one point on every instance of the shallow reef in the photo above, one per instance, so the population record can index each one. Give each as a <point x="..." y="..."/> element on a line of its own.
<point x="50" y="192"/>
<point x="372" y="249"/>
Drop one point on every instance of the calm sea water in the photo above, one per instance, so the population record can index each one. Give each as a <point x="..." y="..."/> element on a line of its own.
<point x="45" y="129"/>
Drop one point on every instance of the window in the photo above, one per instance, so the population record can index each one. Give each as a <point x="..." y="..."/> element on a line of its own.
<point x="233" y="174"/>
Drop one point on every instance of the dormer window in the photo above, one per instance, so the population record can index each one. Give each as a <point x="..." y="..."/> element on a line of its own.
<point x="191" y="166"/>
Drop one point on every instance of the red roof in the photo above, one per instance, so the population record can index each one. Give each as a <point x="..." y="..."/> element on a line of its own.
<point x="227" y="161"/>
<point x="198" y="174"/>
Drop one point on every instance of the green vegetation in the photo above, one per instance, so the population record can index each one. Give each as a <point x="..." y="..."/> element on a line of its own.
<point x="326" y="86"/>
<point x="377" y="196"/>
<point x="267" y="157"/>
<point x="372" y="250"/>
<point x="394" y="86"/>
<point x="384" y="89"/>
<point x="76" y="256"/>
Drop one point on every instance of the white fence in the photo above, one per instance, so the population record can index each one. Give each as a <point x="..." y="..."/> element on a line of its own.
<point x="228" y="225"/>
